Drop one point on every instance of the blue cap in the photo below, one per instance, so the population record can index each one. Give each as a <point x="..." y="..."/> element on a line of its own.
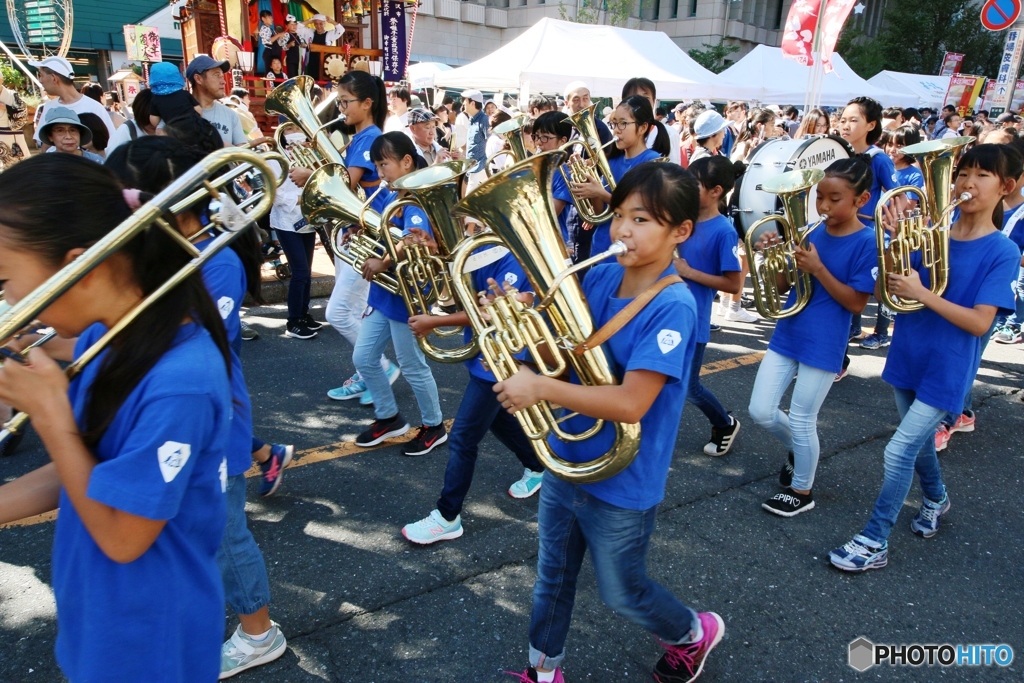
<point x="165" y="78"/>
<point x="204" y="63"/>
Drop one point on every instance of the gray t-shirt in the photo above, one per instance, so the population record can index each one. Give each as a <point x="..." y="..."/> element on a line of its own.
<point x="227" y="123"/>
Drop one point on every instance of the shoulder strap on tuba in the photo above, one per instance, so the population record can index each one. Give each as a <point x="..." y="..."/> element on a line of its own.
<point x="620" y="319"/>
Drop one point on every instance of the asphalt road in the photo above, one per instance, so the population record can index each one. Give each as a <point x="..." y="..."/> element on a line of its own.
<point x="359" y="604"/>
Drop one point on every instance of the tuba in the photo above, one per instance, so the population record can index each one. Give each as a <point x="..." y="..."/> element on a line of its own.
<point x="292" y="100"/>
<point x="794" y="191"/>
<point x="511" y="132"/>
<point x="422" y="278"/>
<point x="517" y="206"/>
<point x="327" y="195"/>
<point x="229" y="221"/>
<point x="596" y="165"/>
<point x="912" y="232"/>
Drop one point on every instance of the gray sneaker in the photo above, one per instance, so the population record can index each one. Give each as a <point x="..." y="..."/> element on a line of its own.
<point x="926" y="521"/>
<point x="248" y="334"/>
<point x="240" y="652"/>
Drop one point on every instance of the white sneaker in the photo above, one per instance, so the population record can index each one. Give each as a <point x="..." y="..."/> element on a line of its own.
<point x="240" y="652"/>
<point x="433" y="528"/>
<point x="740" y="315"/>
<point x="528" y="485"/>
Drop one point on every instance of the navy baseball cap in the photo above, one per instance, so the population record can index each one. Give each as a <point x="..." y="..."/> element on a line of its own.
<point x="203" y="63"/>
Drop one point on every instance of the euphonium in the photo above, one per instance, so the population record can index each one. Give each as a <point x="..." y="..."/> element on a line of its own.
<point x="511" y="132"/>
<point x="292" y="100"/>
<point x="912" y="232"/>
<point x="517" y="206"/>
<point x="779" y="259"/>
<point x="422" y="277"/>
<point x="229" y="220"/>
<point x="327" y="195"/>
<point x="595" y="166"/>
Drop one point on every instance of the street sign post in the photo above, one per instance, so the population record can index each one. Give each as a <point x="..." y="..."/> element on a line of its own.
<point x="997" y="15"/>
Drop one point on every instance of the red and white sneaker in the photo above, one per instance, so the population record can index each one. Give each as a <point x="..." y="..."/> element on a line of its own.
<point x="683" y="663"/>
<point x="530" y="676"/>
<point x="964" y="423"/>
<point x="942" y="437"/>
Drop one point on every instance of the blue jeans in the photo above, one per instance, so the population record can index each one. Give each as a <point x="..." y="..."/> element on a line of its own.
<point x="246" y="588"/>
<point x="298" y="249"/>
<point x="911" y="449"/>
<point x="570" y="522"/>
<point x="798" y="430"/>
<point x="478" y="412"/>
<point x="1017" y="317"/>
<point x="882" y="321"/>
<point x="376" y="331"/>
<point x="698" y="394"/>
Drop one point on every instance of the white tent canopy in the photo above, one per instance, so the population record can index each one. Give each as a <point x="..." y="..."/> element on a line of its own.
<point x="930" y="90"/>
<point x="777" y="80"/>
<point x="552" y="53"/>
<point x="421" y="75"/>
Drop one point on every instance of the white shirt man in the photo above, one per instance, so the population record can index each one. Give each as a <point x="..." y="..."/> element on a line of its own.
<point x="398" y="103"/>
<point x="57" y="76"/>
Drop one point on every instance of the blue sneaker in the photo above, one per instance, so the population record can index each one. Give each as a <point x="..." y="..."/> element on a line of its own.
<point x="875" y="341"/>
<point x="354" y="387"/>
<point x="272" y="470"/>
<point x="366" y="399"/>
<point x="393" y="372"/>
<point x="433" y="528"/>
<point x="926" y="522"/>
<point x="860" y="555"/>
<point x="528" y="485"/>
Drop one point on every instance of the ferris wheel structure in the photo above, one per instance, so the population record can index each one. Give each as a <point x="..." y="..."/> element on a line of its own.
<point x="42" y="28"/>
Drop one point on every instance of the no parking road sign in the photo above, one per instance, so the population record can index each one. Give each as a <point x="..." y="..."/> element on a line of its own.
<point x="997" y="15"/>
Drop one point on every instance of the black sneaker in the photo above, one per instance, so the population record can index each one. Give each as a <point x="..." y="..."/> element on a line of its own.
<point x="786" y="473"/>
<point x="298" y="329"/>
<point x="722" y="438"/>
<point x="789" y="503"/>
<point x="311" y="322"/>
<point x="381" y="430"/>
<point x="426" y="440"/>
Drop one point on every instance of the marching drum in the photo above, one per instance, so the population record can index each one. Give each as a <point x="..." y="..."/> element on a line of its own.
<point x="750" y="203"/>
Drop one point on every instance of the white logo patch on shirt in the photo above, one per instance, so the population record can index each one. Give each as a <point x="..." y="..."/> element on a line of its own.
<point x="223" y="472"/>
<point x="172" y="456"/>
<point x="668" y="340"/>
<point x="511" y="278"/>
<point x="366" y="155"/>
<point x="416" y="219"/>
<point x="874" y="273"/>
<point x="225" y="305"/>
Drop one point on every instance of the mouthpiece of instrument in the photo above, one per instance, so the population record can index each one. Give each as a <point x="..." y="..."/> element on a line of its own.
<point x="966" y="196"/>
<point x="617" y="249"/>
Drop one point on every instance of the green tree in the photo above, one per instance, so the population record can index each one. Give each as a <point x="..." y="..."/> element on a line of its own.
<point x="916" y="33"/>
<point x="712" y="57"/>
<point x="610" y="12"/>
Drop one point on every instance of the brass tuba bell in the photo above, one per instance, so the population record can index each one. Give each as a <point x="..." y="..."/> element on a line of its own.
<point x="937" y="158"/>
<point x="511" y="132"/>
<point x="517" y="206"/>
<point x="292" y="100"/>
<point x="794" y="191"/>
<point x="596" y="165"/>
<point x="422" y="277"/>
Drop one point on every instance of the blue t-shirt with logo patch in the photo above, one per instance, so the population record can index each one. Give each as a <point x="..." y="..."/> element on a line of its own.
<point x="661" y="339"/>
<point x="911" y="175"/>
<point x="818" y="335"/>
<point x="163" y="457"/>
<point x="713" y="249"/>
<point x="619" y="166"/>
<point x="392" y="306"/>
<point x="224" y="278"/>
<point x="505" y="270"/>
<point x="357" y="155"/>
<point x="930" y="355"/>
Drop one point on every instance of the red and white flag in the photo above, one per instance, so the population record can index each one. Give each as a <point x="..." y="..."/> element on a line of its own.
<point x="801" y="24"/>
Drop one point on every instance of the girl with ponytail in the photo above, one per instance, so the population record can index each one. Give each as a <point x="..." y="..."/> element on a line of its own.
<point x="138" y="440"/>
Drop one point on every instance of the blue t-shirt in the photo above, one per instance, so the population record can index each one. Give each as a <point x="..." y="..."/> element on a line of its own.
<point x="1013" y="226"/>
<point x="505" y="271"/>
<point x="619" y="166"/>
<point x="930" y="355"/>
<point x="713" y="249"/>
<point x="357" y="155"/>
<point x="911" y="175"/>
<point x="560" y="190"/>
<point x="819" y="334"/>
<point x="660" y="339"/>
<point x="392" y="305"/>
<point x="224" y="278"/>
<point x="885" y="179"/>
<point x="163" y="457"/>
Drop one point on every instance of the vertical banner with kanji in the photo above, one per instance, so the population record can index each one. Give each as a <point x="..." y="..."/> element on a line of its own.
<point x="393" y="24"/>
<point x="964" y="92"/>
<point x="142" y="43"/>
<point x="1009" y="68"/>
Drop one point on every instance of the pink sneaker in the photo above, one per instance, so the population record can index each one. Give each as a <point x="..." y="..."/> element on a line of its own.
<point x="683" y="663"/>
<point x="941" y="438"/>
<point x="530" y="676"/>
<point x="964" y="423"/>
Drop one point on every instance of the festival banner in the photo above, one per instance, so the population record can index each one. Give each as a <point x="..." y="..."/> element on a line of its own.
<point x="1009" y="68"/>
<point x="394" y="44"/>
<point x="142" y="43"/>
<point x="951" y="63"/>
<point x="798" y="34"/>
<point x="963" y="92"/>
<point x="836" y="12"/>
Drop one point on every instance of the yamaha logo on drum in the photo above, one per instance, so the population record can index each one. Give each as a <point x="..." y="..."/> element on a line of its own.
<point x="818" y="160"/>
